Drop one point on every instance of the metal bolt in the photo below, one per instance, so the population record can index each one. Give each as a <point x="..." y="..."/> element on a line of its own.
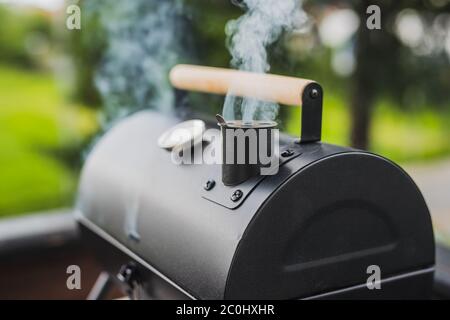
<point x="287" y="153"/>
<point x="128" y="276"/>
<point x="314" y="93"/>
<point x="237" y="195"/>
<point x="127" y="273"/>
<point x="209" y="184"/>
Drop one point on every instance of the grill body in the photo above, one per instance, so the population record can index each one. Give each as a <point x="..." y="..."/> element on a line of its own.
<point x="310" y="231"/>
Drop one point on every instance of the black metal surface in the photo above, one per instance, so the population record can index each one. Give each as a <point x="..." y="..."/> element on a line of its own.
<point x="442" y="275"/>
<point x="312" y="98"/>
<point x="114" y="256"/>
<point x="408" y="286"/>
<point x="235" y="142"/>
<point x="312" y="228"/>
<point x="222" y="194"/>
<point x="325" y="225"/>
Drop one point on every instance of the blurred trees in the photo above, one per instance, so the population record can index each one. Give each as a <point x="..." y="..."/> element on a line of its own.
<point x="386" y="67"/>
<point x="86" y="47"/>
<point x="23" y="36"/>
<point x="42" y="135"/>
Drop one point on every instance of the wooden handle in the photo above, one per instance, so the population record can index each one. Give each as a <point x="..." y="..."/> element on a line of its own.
<point x="268" y="87"/>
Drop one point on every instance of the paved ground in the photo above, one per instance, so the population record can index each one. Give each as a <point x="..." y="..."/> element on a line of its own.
<point x="434" y="182"/>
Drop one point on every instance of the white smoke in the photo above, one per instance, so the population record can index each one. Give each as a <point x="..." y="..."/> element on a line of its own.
<point x="248" y="38"/>
<point x="143" y="43"/>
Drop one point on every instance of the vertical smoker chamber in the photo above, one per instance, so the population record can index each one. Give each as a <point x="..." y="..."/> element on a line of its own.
<point x="248" y="140"/>
<point x="309" y="231"/>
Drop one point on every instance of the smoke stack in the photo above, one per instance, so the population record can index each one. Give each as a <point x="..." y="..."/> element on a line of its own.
<point x="244" y="144"/>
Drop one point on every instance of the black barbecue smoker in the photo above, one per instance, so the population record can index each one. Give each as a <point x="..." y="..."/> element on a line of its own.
<point x="314" y="229"/>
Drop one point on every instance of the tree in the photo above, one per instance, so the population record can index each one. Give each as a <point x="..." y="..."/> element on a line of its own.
<point x="385" y="66"/>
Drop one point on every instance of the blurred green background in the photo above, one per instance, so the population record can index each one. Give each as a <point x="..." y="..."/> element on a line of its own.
<point x="385" y="90"/>
<point x="42" y="130"/>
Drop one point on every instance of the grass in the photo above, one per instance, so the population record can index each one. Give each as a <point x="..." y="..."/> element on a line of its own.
<point x="35" y="121"/>
<point x="404" y="136"/>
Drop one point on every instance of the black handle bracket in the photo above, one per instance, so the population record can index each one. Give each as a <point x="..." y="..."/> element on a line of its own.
<point x="312" y="98"/>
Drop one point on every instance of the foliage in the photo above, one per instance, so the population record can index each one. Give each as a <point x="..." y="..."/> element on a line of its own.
<point x="16" y="30"/>
<point x="35" y="123"/>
